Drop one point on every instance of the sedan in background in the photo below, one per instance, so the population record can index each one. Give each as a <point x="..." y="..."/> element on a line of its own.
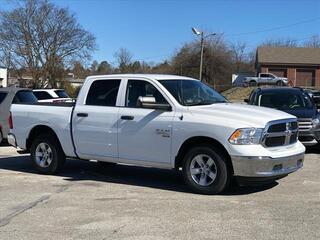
<point x="51" y="95"/>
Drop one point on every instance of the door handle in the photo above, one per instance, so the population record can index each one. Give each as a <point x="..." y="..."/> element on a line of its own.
<point x="126" y="117"/>
<point x="82" y="114"/>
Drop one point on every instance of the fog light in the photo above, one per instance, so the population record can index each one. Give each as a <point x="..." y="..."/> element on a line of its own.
<point x="277" y="167"/>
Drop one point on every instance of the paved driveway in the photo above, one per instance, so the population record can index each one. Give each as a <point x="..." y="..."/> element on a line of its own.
<point x="123" y="202"/>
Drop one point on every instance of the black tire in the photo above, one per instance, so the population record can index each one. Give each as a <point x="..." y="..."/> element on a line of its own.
<point x="222" y="178"/>
<point x="280" y="83"/>
<point x="57" y="157"/>
<point x="253" y="84"/>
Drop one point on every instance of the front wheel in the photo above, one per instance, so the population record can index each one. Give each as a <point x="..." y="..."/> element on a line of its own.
<point x="280" y="83"/>
<point x="205" y="170"/>
<point x="47" y="155"/>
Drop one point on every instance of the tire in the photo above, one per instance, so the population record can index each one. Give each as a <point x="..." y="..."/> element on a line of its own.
<point x="52" y="158"/>
<point x="1" y="137"/>
<point x="214" y="178"/>
<point x="279" y="83"/>
<point x="253" y="84"/>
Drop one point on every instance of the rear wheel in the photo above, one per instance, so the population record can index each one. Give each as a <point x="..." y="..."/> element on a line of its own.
<point x="205" y="170"/>
<point x="1" y="138"/>
<point x="47" y="155"/>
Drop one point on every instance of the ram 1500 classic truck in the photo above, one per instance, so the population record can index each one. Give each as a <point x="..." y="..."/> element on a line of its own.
<point x="267" y="79"/>
<point x="161" y="121"/>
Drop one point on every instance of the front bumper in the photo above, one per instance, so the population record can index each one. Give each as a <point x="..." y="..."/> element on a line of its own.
<point x="266" y="166"/>
<point x="12" y="139"/>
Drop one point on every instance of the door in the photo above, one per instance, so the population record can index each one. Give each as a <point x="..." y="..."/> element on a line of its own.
<point x="95" y="122"/>
<point x="144" y="134"/>
<point x="305" y="77"/>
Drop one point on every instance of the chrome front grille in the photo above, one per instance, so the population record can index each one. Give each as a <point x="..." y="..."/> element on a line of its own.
<point x="280" y="133"/>
<point x="305" y="124"/>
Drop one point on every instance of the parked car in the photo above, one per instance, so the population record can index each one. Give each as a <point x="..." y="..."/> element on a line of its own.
<point x="162" y="121"/>
<point x="51" y="95"/>
<point x="7" y="97"/>
<point x="266" y="79"/>
<point x="315" y="95"/>
<point x="294" y="101"/>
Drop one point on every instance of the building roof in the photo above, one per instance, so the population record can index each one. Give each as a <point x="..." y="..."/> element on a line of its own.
<point x="288" y="55"/>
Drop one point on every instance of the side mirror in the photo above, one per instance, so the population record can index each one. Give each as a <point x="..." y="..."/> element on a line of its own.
<point x="246" y="100"/>
<point x="150" y="103"/>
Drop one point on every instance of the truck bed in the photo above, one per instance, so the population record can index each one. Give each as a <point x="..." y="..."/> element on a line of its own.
<point x="56" y="116"/>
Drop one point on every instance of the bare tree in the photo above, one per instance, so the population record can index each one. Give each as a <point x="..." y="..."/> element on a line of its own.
<point x="288" y="42"/>
<point x="124" y="58"/>
<point x="313" y="42"/>
<point x="238" y="54"/>
<point x="42" y="38"/>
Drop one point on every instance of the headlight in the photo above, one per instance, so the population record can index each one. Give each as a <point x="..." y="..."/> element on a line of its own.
<point x="246" y="136"/>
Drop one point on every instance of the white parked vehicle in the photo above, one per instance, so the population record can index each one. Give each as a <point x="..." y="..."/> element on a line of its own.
<point x="8" y="96"/>
<point x="51" y="95"/>
<point x="161" y="121"/>
<point x="266" y="79"/>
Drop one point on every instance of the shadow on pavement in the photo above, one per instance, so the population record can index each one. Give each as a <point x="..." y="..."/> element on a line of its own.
<point x="313" y="149"/>
<point x="121" y="174"/>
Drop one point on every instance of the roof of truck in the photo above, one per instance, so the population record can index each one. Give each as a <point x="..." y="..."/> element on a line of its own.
<point x="153" y="76"/>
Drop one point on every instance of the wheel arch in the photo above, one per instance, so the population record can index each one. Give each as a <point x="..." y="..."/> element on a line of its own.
<point x="38" y="130"/>
<point x="198" y="141"/>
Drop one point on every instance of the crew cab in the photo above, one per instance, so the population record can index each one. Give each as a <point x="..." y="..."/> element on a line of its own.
<point x="266" y="79"/>
<point x="8" y="96"/>
<point x="161" y="121"/>
<point x="51" y="95"/>
<point x="295" y="101"/>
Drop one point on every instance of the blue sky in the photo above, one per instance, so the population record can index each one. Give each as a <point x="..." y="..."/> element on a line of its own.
<point x="152" y="30"/>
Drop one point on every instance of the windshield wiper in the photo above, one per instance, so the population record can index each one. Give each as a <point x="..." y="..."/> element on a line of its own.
<point x="204" y="103"/>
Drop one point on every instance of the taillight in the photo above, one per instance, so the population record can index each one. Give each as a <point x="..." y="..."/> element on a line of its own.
<point x="10" y="121"/>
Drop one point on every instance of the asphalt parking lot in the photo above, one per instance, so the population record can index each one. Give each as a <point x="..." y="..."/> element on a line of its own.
<point x="122" y="202"/>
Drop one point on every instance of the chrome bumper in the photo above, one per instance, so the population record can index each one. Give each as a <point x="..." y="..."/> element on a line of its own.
<point x="266" y="166"/>
<point x="11" y="138"/>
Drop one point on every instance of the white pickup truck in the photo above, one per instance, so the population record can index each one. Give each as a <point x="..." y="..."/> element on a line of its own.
<point x="161" y="121"/>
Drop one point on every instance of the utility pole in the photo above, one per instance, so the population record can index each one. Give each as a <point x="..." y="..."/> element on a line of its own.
<point x="202" y="38"/>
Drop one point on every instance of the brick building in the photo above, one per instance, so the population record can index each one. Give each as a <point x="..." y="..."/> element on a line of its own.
<point x="300" y="65"/>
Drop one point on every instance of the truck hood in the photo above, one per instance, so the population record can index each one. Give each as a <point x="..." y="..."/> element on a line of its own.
<point x="240" y="115"/>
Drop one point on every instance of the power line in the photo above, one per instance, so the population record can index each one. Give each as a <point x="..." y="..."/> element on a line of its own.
<point x="275" y="28"/>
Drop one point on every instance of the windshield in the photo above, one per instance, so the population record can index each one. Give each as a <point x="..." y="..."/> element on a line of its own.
<point x="192" y="92"/>
<point x="285" y="100"/>
<point x="61" y="94"/>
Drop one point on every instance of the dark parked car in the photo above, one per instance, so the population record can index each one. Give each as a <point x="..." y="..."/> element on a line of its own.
<point x="315" y="95"/>
<point x="295" y="101"/>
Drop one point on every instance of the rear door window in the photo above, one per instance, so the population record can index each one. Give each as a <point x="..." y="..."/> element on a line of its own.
<point x="2" y="96"/>
<point x="24" y="96"/>
<point x="103" y="93"/>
